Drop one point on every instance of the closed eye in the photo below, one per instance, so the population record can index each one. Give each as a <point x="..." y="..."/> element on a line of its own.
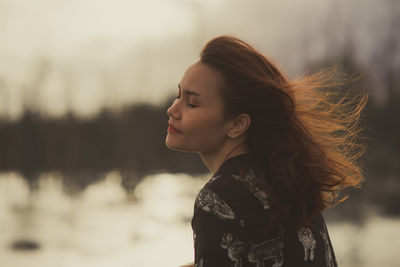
<point x="186" y="100"/>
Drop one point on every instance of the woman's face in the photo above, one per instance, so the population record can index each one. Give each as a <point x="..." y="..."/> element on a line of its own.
<point x="196" y="121"/>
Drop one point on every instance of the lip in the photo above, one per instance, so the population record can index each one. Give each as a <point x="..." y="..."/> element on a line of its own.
<point x="172" y="129"/>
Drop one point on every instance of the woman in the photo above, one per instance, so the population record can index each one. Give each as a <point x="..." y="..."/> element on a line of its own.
<point x="279" y="151"/>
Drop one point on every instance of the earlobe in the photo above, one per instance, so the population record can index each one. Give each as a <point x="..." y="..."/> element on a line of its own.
<point x="239" y="126"/>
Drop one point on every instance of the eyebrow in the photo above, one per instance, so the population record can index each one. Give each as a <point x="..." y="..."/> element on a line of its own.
<point x="188" y="92"/>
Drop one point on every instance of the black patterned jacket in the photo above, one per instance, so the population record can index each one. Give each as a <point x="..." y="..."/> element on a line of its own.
<point x="231" y="213"/>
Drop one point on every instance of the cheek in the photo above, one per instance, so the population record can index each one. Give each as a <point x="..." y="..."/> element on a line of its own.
<point x="202" y="132"/>
<point x="206" y="131"/>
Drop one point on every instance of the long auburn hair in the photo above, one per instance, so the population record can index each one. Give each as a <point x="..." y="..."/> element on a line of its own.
<point x="303" y="134"/>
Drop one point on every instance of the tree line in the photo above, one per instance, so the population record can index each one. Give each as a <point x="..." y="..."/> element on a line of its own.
<point x="130" y="141"/>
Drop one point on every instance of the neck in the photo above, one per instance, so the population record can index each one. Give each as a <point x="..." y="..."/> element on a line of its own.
<point x="213" y="160"/>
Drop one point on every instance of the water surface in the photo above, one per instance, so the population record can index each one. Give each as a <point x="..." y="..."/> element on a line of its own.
<point x="105" y="226"/>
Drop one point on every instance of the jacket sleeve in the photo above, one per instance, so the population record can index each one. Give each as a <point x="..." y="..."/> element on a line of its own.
<point x="213" y="221"/>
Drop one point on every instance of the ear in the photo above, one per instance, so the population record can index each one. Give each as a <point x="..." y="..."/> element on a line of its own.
<point x="239" y="125"/>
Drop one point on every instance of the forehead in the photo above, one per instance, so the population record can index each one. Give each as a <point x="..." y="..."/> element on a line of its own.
<point x="201" y="79"/>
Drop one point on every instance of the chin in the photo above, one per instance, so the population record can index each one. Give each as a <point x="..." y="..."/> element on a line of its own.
<point x="171" y="145"/>
<point x="177" y="147"/>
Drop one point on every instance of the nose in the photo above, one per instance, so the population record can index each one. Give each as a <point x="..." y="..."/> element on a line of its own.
<point x="173" y="111"/>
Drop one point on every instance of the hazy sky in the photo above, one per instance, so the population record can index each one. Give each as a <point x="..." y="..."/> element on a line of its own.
<point x="81" y="55"/>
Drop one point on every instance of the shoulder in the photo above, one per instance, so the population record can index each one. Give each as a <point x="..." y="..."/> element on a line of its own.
<point x="236" y="190"/>
<point x="241" y="177"/>
<point x="209" y="200"/>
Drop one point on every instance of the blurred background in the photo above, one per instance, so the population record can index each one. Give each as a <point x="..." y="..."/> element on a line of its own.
<point x="85" y="178"/>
